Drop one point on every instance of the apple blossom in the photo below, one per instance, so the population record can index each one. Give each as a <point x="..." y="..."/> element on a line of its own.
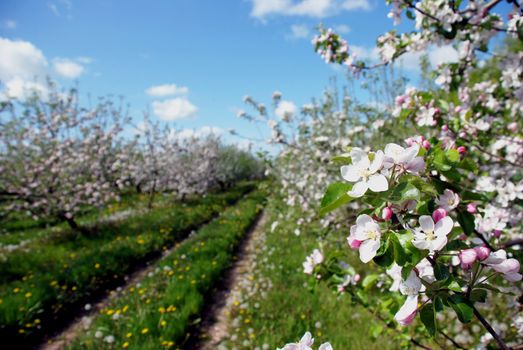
<point x="411" y="288"/>
<point x="365" y="174"/>
<point x="448" y="200"/>
<point x="311" y="261"/>
<point x="367" y="231"/>
<point x="386" y="214"/>
<point x="430" y="236"/>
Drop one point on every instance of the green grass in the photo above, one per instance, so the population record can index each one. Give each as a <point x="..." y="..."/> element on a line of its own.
<point x="159" y="312"/>
<point x="42" y="287"/>
<point x="278" y="303"/>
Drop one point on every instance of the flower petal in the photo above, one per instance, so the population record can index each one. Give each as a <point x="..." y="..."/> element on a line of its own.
<point x="426" y="223"/>
<point x="358" y="190"/>
<point x="438" y="243"/>
<point x="307" y="339"/>
<point x="444" y="226"/>
<point x="325" y="346"/>
<point x="368" y="250"/>
<point x="378" y="183"/>
<point x="350" y="173"/>
<point x="407" y="312"/>
<point x="377" y="162"/>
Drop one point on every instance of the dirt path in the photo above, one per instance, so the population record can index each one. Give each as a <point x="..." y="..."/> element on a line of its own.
<point x="214" y="327"/>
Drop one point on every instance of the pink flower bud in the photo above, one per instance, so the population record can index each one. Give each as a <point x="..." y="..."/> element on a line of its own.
<point x="462" y="237"/>
<point x="471" y="208"/>
<point x="341" y="289"/>
<point x="497" y="233"/>
<point x="462" y="149"/>
<point x="457" y="109"/>
<point x="445" y="128"/>
<point x="462" y="134"/>
<point x="439" y="214"/>
<point x="467" y="257"/>
<point x="426" y="144"/>
<point x="356" y="278"/>
<point x="513" y="126"/>
<point x="386" y="214"/>
<point x="482" y="252"/>
<point x="409" y="141"/>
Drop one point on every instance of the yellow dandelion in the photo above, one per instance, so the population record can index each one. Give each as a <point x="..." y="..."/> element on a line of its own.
<point x="28" y="294"/>
<point x="129" y="335"/>
<point x="145" y="330"/>
<point x="16" y="290"/>
<point x="96" y="266"/>
<point x="125" y="345"/>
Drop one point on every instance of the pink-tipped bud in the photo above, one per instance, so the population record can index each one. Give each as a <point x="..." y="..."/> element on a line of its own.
<point x="462" y="149"/>
<point x="497" y="233"/>
<point x="386" y="214"/>
<point x="341" y="289"/>
<point x="462" y="134"/>
<point x="472" y="208"/>
<point x="445" y="128"/>
<point x="462" y="237"/>
<point x="426" y="144"/>
<point x="439" y="214"/>
<point x="482" y="252"/>
<point x="409" y="141"/>
<point x="356" y="278"/>
<point x="457" y="109"/>
<point x="467" y="257"/>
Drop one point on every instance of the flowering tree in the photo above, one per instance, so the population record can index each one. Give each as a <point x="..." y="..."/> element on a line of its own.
<point x="441" y="213"/>
<point x="56" y="158"/>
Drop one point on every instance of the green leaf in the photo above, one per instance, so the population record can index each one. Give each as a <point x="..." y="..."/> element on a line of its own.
<point x="462" y="307"/>
<point x="404" y="191"/>
<point x="385" y="256"/>
<point x="335" y="196"/>
<point x="369" y="281"/>
<point x="441" y="272"/>
<point x="478" y="295"/>
<point x="452" y="155"/>
<point x="428" y="317"/>
<point x="466" y="221"/>
<point x="342" y="158"/>
<point x="400" y="256"/>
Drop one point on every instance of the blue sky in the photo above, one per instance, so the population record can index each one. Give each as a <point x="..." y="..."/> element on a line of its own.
<point x="215" y="52"/>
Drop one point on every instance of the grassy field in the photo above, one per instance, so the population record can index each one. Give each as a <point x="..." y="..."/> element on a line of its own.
<point x="47" y="281"/>
<point x="159" y="312"/>
<point x="277" y="303"/>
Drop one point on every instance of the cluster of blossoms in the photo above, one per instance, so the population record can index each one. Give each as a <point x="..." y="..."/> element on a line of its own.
<point x="444" y="216"/>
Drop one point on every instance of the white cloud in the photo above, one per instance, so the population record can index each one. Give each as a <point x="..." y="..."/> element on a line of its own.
<point x="22" y="89"/>
<point x="286" y="110"/>
<point x="68" y="68"/>
<point x="166" y="90"/>
<point x="61" y="7"/>
<point x="10" y="24"/>
<point x="299" y="31"/>
<point x="175" y="108"/>
<point x="23" y="68"/>
<point x="364" y="53"/>
<point x="342" y="29"/>
<point x="443" y="54"/>
<point x="309" y="8"/>
<point x="410" y="60"/>
<point x="20" y="59"/>
<point x="198" y="133"/>
<point x="356" y="5"/>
